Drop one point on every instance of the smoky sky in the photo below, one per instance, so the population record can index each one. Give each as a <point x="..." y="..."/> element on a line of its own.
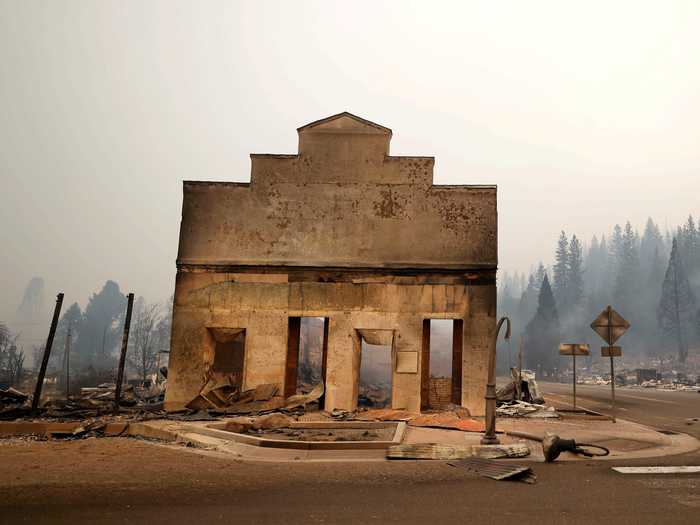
<point x="584" y="114"/>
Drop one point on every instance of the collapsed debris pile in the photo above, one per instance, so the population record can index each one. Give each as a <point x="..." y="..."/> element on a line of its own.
<point x="222" y="398"/>
<point x="12" y="403"/>
<point x="374" y="395"/>
<point x="92" y="402"/>
<point x="521" y="398"/>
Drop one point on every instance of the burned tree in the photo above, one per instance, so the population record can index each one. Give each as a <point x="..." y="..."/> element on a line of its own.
<point x="11" y="358"/>
<point x="144" y="335"/>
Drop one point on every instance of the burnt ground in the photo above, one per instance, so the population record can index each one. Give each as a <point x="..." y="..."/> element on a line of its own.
<point x="121" y="480"/>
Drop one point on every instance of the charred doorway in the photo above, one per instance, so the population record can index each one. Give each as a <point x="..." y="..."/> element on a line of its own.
<point x="441" y="363"/>
<point x="229" y="355"/>
<point x="307" y="354"/>
<point x="375" y="368"/>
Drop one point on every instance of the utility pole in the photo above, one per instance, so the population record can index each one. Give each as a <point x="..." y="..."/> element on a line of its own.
<point x="66" y="358"/>
<point x="122" y="357"/>
<point x="47" y="352"/>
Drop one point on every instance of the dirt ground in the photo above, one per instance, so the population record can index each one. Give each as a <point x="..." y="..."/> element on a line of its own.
<point x="123" y="480"/>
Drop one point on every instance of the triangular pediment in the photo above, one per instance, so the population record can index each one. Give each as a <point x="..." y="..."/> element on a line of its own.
<point x="345" y="123"/>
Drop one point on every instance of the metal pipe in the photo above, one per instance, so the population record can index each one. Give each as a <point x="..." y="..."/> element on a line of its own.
<point x="490" y="397"/>
<point x="612" y="364"/>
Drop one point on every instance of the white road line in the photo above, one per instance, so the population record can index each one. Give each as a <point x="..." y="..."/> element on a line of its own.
<point x="658" y="470"/>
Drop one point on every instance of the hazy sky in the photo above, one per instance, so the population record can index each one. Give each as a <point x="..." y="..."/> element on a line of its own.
<point x="584" y="114"/>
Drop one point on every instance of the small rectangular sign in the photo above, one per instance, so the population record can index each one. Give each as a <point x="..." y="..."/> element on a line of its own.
<point x="611" y="351"/>
<point x="406" y="362"/>
<point x="573" y="349"/>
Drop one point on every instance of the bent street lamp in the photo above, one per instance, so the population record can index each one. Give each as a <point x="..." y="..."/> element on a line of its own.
<point x="490" y="397"/>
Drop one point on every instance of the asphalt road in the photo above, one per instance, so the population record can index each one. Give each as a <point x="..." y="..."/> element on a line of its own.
<point x="662" y="409"/>
<point x="130" y="481"/>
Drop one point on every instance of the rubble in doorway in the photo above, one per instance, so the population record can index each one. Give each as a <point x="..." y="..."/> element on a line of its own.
<point x="222" y="398"/>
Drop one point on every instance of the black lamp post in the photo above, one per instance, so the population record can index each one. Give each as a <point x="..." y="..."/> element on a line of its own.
<point x="490" y="423"/>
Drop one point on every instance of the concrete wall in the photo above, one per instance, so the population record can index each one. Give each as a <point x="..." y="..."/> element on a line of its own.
<point x="262" y="308"/>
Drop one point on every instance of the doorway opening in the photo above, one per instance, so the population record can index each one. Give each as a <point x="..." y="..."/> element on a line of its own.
<point x="441" y="363"/>
<point x="307" y="355"/>
<point x="229" y="355"/>
<point x="376" y="368"/>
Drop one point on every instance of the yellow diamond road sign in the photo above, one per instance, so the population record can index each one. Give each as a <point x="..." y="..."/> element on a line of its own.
<point x="610" y="325"/>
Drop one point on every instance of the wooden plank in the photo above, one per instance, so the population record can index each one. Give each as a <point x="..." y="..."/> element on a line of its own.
<point x="290" y="375"/>
<point x="457" y="346"/>
<point x="425" y="366"/>
<point x="324" y="361"/>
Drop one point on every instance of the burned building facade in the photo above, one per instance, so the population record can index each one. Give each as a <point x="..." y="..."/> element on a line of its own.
<point x="346" y="233"/>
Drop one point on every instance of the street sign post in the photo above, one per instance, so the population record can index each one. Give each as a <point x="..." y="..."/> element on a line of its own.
<point x="573" y="349"/>
<point x="610" y="326"/>
<point x="611" y="351"/>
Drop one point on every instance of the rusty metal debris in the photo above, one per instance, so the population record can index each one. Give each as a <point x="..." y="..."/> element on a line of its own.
<point x="553" y="445"/>
<point x="496" y="470"/>
<point x="447" y="420"/>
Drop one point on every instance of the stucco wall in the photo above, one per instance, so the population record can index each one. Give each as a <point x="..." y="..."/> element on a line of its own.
<point x="341" y="202"/>
<point x="296" y="240"/>
<point x="211" y="300"/>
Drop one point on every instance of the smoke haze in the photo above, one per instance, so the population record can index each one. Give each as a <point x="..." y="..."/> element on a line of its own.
<point x="585" y="115"/>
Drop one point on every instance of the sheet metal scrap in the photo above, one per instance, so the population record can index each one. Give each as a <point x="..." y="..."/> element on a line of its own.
<point x="523" y="409"/>
<point x="448" y="420"/>
<point x="440" y="451"/>
<point x="496" y="470"/>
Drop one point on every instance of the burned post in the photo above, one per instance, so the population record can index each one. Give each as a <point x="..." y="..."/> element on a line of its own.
<point x="47" y="352"/>
<point x="122" y="356"/>
<point x="610" y="326"/>
<point x="490" y="398"/>
<point x="573" y="349"/>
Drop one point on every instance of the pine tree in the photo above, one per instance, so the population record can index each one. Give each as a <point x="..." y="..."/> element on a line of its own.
<point x="651" y="295"/>
<point x="560" y="270"/>
<point x="542" y="335"/>
<point x="677" y="305"/>
<point x="528" y="300"/>
<point x="539" y="276"/>
<point x="651" y="243"/>
<point x="690" y="247"/>
<point x="99" y="329"/>
<point x="615" y="251"/>
<point x="627" y="275"/>
<point x="575" y="275"/>
<point x="72" y="318"/>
